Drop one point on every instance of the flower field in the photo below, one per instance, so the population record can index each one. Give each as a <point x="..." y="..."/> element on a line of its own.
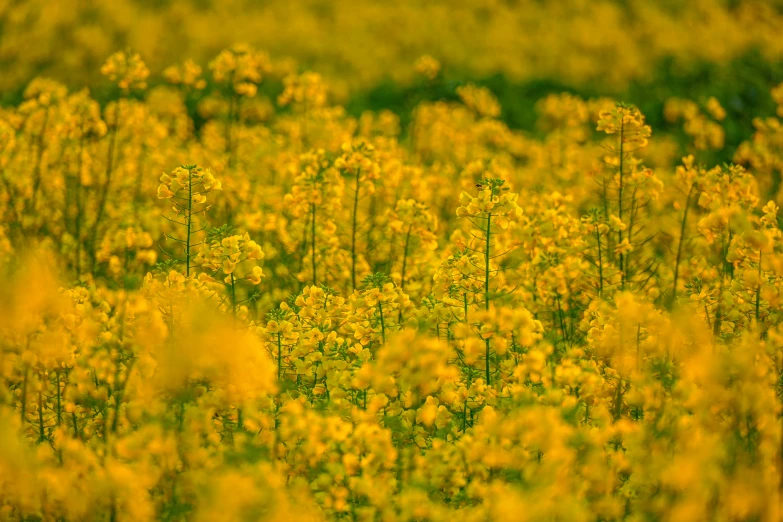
<point x="391" y="276"/>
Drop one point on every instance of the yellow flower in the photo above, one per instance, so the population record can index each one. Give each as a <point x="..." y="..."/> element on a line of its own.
<point x="164" y="192"/>
<point x="255" y="276"/>
<point x="427" y="66"/>
<point x="624" y="247"/>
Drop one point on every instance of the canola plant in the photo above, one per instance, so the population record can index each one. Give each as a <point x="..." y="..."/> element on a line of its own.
<point x="218" y="304"/>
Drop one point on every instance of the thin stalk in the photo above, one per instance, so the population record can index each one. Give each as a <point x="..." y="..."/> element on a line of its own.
<point x="233" y="296"/>
<point x="24" y="393"/>
<point x="716" y="324"/>
<point x="486" y="362"/>
<point x="487" y="249"/>
<point x="75" y="425"/>
<point x="638" y="344"/>
<point x="79" y="210"/>
<point x="312" y="254"/>
<point x="107" y="184"/>
<point x="560" y="318"/>
<point x="353" y="229"/>
<point x="758" y="294"/>
<point x="683" y="227"/>
<point x="383" y="324"/>
<point x="618" y="400"/>
<point x="189" y="222"/>
<point x="118" y="396"/>
<point x="279" y="357"/>
<point x="620" y="200"/>
<point x="405" y="258"/>
<point x="39" y="159"/>
<point x="59" y="399"/>
<point x="41" y="436"/>
<point x="631" y="218"/>
<point x="73" y="413"/>
<point x="600" y="264"/>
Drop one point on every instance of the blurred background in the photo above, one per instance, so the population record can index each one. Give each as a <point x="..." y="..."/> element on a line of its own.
<point x="641" y="51"/>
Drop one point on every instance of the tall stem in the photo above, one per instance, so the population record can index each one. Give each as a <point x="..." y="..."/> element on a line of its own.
<point x="118" y="396"/>
<point x="487" y="247"/>
<point x="312" y="254"/>
<point x="683" y="226"/>
<point x="39" y="159"/>
<point x="560" y="318"/>
<point x="383" y="324"/>
<point x="718" y="322"/>
<point x="107" y="183"/>
<point x="600" y="264"/>
<point x="24" y="393"/>
<point x="79" y="212"/>
<point x="758" y="295"/>
<point x="353" y="229"/>
<point x="41" y="436"/>
<point x="59" y="400"/>
<point x="405" y="258"/>
<point x="620" y="198"/>
<point x="189" y="222"/>
<point x="233" y="296"/>
<point x="279" y="357"/>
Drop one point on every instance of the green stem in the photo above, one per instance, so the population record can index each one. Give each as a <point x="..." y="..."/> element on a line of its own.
<point x="353" y="229"/>
<point x="118" y="396"/>
<point x="41" y="436"/>
<point x="233" y="296"/>
<point x="487" y="248"/>
<point x="39" y="160"/>
<point x="638" y="344"/>
<point x="618" y="400"/>
<point x="24" y="393"/>
<point x="560" y="318"/>
<point x="758" y="295"/>
<point x="383" y="324"/>
<point x="620" y="197"/>
<point x="717" y="323"/>
<point x="312" y="254"/>
<point x="189" y="222"/>
<point x="279" y="357"/>
<point x="486" y="361"/>
<point x="405" y="258"/>
<point x="79" y="212"/>
<point x="486" y="260"/>
<point x="600" y="264"/>
<point x="683" y="228"/>
<point x="107" y="184"/>
<point x="59" y="401"/>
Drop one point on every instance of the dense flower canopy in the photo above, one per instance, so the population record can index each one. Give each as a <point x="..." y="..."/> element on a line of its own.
<point x="223" y="296"/>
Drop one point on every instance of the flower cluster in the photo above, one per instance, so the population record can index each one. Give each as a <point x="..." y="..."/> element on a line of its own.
<point x="127" y="70"/>
<point x="428" y="315"/>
